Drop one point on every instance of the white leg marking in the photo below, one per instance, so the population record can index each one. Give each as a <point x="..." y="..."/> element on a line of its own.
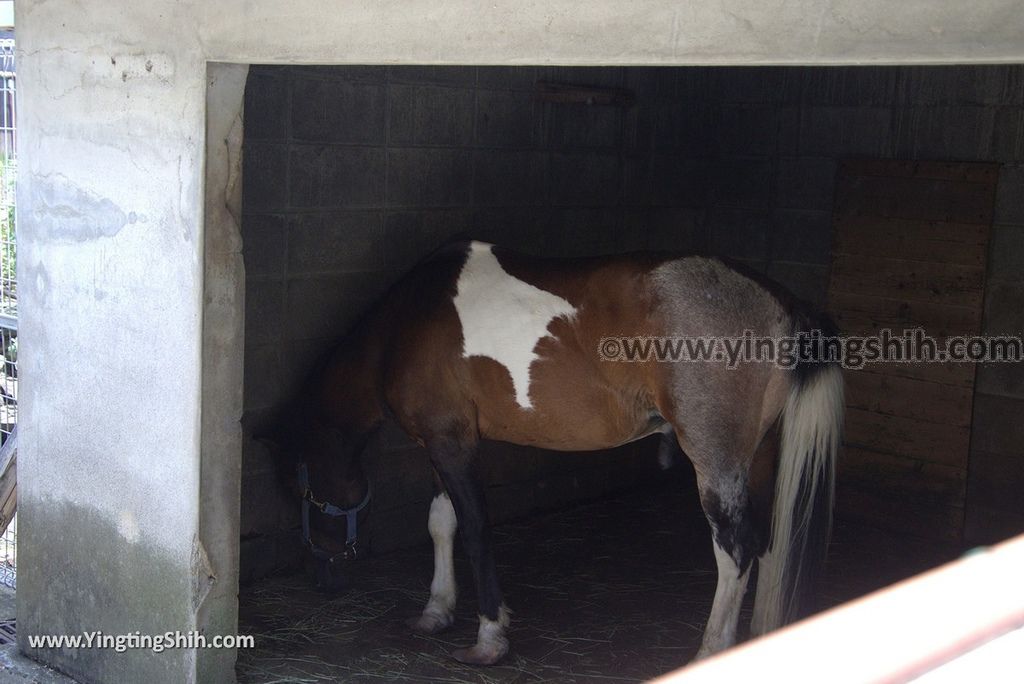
<point x="503" y="317"/>
<point x="491" y="642"/>
<point x="439" y="612"/>
<point x="720" y="632"/>
<point x="491" y="633"/>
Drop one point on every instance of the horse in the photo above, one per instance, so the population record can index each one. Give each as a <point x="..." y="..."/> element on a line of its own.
<point x="479" y="342"/>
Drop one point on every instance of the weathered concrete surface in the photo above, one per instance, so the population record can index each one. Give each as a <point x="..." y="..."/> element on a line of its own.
<point x="15" y="668"/>
<point x="111" y="229"/>
<point x="223" y="318"/>
<point x="609" y="32"/>
<point x="84" y="575"/>
<point x="110" y="268"/>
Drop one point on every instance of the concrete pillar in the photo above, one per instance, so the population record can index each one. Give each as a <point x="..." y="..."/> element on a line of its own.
<point x="223" y="318"/>
<point x="111" y="288"/>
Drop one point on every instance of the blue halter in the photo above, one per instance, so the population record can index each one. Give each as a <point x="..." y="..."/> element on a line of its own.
<point x="351" y="517"/>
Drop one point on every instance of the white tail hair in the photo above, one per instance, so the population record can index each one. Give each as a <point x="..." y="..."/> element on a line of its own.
<point x="802" y="514"/>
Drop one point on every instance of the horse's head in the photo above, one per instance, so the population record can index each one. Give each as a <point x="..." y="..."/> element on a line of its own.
<point x="329" y="457"/>
<point x="321" y="467"/>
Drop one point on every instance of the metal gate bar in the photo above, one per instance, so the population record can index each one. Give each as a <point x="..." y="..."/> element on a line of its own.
<point x="8" y="286"/>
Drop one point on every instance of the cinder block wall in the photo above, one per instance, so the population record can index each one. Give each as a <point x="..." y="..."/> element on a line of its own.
<point x="353" y="173"/>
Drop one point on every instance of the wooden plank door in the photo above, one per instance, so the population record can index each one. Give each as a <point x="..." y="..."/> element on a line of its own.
<point x="909" y="251"/>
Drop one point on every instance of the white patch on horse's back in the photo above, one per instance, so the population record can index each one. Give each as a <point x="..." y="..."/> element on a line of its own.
<point x="503" y="318"/>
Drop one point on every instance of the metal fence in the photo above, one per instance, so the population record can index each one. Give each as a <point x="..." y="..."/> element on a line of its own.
<point x="8" y="287"/>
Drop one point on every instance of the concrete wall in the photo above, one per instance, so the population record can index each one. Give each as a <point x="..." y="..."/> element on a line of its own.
<point x="113" y="288"/>
<point x="352" y="174"/>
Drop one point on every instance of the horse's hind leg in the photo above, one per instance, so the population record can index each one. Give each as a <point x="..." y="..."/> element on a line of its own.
<point x="721" y="459"/>
<point x="720" y="631"/>
<point x="454" y="460"/>
<point x="736" y="496"/>
<point x="726" y="505"/>
<point x="439" y="613"/>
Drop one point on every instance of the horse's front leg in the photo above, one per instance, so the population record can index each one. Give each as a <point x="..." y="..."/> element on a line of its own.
<point x="439" y="613"/>
<point x="454" y="460"/>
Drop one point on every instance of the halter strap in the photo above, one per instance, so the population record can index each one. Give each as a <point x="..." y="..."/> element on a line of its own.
<point x="327" y="508"/>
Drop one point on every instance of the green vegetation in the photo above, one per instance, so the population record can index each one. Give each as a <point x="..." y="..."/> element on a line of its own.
<point x="8" y="246"/>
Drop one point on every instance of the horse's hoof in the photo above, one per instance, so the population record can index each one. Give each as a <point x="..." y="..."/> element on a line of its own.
<point x="428" y="624"/>
<point x="481" y="654"/>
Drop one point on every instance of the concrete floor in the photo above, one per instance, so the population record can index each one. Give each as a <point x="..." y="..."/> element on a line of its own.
<point x="616" y="590"/>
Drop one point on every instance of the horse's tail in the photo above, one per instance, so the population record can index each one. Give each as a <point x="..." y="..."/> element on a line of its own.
<point x="805" y="483"/>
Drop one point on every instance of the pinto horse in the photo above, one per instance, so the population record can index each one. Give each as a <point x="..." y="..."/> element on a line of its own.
<point x="477" y="342"/>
